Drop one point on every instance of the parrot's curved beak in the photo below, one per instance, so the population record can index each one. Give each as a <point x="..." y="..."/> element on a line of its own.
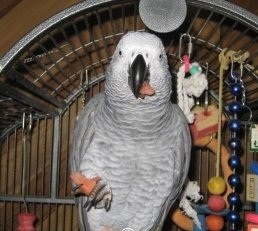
<point x="138" y="77"/>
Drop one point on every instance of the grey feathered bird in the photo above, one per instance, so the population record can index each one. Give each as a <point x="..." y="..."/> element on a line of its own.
<point x="134" y="139"/>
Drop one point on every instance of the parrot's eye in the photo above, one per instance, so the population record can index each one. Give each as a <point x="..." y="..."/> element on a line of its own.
<point x="160" y="56"/>
<point x="120" y="53"/>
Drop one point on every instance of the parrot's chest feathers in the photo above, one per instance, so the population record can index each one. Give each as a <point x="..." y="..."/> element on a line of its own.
<point x="136" y="120"/>
<point x="137" y="151"/>
<point x="135" y="132"/>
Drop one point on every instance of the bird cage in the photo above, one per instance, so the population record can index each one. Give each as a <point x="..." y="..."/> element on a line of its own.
<point x="53" y="71"/>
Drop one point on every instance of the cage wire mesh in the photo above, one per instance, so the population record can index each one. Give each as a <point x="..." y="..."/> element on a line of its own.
<point x="41" y="75"/>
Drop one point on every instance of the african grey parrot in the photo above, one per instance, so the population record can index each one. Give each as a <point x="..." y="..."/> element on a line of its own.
<point x="131" y="147"/>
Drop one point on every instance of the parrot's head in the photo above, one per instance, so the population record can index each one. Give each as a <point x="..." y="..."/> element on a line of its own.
<point x="139" y="69"/>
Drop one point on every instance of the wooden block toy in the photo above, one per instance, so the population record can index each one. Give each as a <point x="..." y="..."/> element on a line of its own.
<point x="205" y="122"/>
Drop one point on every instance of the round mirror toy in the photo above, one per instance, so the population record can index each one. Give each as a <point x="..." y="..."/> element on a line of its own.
<point x="162" y="16"/>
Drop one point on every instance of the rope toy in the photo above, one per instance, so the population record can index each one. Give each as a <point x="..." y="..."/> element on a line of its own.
<point x="190" y="87"/>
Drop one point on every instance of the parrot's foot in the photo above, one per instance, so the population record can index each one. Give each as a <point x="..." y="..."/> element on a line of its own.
<point x="98" y="192"/>
<point x="100" y="197"/>
<point x="83" y="184"/>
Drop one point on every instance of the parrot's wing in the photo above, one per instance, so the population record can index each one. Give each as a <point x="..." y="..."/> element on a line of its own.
<point x="83" y="133"/>
<point x="181" y="152"/>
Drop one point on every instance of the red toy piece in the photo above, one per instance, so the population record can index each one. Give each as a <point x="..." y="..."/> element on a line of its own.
<point x="26" y="222"/>
<point x="216" y="203"/>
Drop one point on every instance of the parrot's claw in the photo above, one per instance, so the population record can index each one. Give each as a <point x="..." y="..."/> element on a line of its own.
<point x="75" y="188"/>
<point x="107" y="201"/>
<point x="100" y="197"/>
<point x="88" y="204"/>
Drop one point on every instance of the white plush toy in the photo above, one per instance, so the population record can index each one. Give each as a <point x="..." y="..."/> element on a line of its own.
<point x="191" y="194"/>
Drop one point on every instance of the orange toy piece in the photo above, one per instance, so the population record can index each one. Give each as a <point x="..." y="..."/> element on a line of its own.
<point x="214" y="223"/>
<point x="185" y="222"/>
<point x="85" y="184"/>
<point x="205" y="124"/>
<point x="181" y="220"/>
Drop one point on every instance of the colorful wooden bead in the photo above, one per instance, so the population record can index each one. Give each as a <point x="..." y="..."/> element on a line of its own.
<point x="194" y="70"/>
<point x="216" y="203"/>
<point x="216" y="185"/>
<point x="214" y="222"/>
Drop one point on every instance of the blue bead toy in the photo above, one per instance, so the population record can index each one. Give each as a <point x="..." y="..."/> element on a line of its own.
<point x="234" y="180"/>
<point x="236" y="89"/>
<point x="234" y="162"/>
<point x="233" y="198"/>
<point x="233" y="216"/>
<point x="234" y="143"/>
<point x="235" y="107"/>
<point x="234" y="125"/>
